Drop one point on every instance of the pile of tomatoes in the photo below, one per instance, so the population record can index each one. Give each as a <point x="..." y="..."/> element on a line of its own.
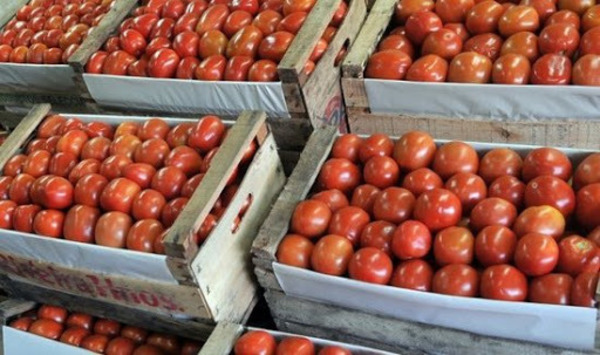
<point x="103" y="336"/>
<point x="542" y="42"/>
<point x="119" y="187"/>
<point x="232" y="40"/>
<point x="445" y="219"/>
<point x="50" y="31"/>
<point x="261" y="342"/>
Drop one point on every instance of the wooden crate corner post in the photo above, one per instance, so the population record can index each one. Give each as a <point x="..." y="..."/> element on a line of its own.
<point x="23" y="131"/>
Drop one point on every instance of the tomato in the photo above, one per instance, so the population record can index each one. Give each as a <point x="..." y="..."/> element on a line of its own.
<point x="5" y="182"/>
<point x="142" y="234"/>
<point x="22" y="323"/>
<point x="591" y="18"/>
<point x="51" y="126"/>
<point x="457" y="280"/>
<point x="560" y="38"/>
<point x="52" y="56"/>
<point x="421" y="180"/>
<point x="173" y="9"/>
<point x="292" y="22"/>
<point x="483" y="17"/>
<point x="80" y="222"/>
<point x="541" y="219"/>
<point x="577" y="6"/>
<point x="119" y="346"/>
<point x="167" y="343"/>
<point x="586" y="69"/>
<point x="551" y="69"/>
<point x="84" y="167"/>
<point x="437" y="209"/>
<point x="22" y="216"/>
<point x="156" y="44"/>
<point x="245" y="42"/>
<point x="469" y="188"/>
<point x="98" y="129"/>
<point x="20" y="188"/>
<point x="185" y="44"/>
<point x="37" y="163"/>
<point x="388" y="64"/>
<point x="331" y="255"/>
<point x="275" y="45"/>
<point x="35" y="145"/>
<point x="334" y="199"/>
<point x="295" y="250"/>
<point x="381" y="171"/>
<point x="212" y="19"/>
<point x="190" y="185"/>
<point x="495" y="245"/>
<point x="132" y="42"/>
<point x="7" y="210"/>
<point x="370" y="265"/>
<point x="118" y="195"/>
<point x="551" y="288"/>
<point x="236" y="21"/>
<point x="487" y="44"/>
<point x="339" y="174"/>
<point x="56" y="193"/>
<point x="138" y="335"/>
<point x="267" y="21"/>
<point x="46" y="328"/>
<point x="96" y="148"/>
<point x="429" y="68"/>
<point x="551" y="191"/>
<point x="347" y="146"/>
<point x="503" y="282"/>
<point x="36" y="53"/>
<point x="187" y="68"/>
<point x="116" y="63"/>
<point x="255" y="342"/>
<point x="574" y="253"/>
<point x="207" y="134"/>
<point x="453" y="245"/>
<point x="455" y="157"/>
<point x="95" y="342"/>
<point x="57" y="314"/>
<point x="411" y="240"/>
<point x="81" y="320"/>
<point x="444" y="43"/>
<point x="583" y="290"/>
<point x="499" y="162"/>
<point x="393" y="204"/>
<point x="296" y="345"/>
<point x="492" y="211"/>
<point x="546" y="161"/>
<point x="364" y="197"/>
<point x="14" y="165"/>
<point x="470" y="67"/>
<point x="586" y="172"/>
<point x="420" y="24"/>
<point x="453" y="10"/>
<point x="88" y="189"/>
<point x="186" y="159"/>
<point x="237" y="68"/>
<point x="51" y="144"/>
<point x="107" y="327"/>
<point x="163" y="63"/>
<point x="153" y="151"/>
<point x="125" y="145"/>
<point x="414" y="274"/>
<point x="536" y="254"/>
<point x="348" y="222"/>
<point x="399" y="42"/>
<point x="112" y="167"/>
<point x="517" y="19"/>
<point x="212" y="42"/>
<point x="564" y="16"/>
<point x="49" y="223"/>
<point x="168" y="181"/>
<point x="144" y="24"/>
<point x="375" y="145"/>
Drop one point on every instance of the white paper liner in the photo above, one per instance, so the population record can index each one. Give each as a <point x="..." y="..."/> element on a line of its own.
<point x="187" y="96"/>
<point x="491" y="101"/>
<point x="564" y="326"/>
<point x="37" y="77"/>
<point x="17" y="342"/>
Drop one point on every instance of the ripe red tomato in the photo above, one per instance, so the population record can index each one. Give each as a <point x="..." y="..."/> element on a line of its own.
<point x="331" y="255"/>
<point x="347" y="146"/>
<point x="457" y="280"/>
<point x="483" y="17"/>
<point x="492" y="211"/>
<point x="292" y="22"/>
<point x="190" y="186"/>
<point x="399" y="42"/>
<point x="420" y="24"/>
<point x="22" y="217"/>
<point x="453" y="10"/>
<point x="132" y="42"/>
<point x="536" y="254"/>
<point x="364" y="197"/>
<point x="334" y="199"/>
<point x="138" y="335"/>
<point x="546" y="161"/>
<point x="296" y="345"/>
<point x="237" y="68"/>
<point x="144" y="24"/>
<point x="559" y="38"/>
<point x="148" y="204"/>
<point x="51" y="126"/>
<point x="379" y="235"/>
<point x="88" y="189"/>
<point x="245" y="42"/>
<point x="585" y="70"/>
<point x="46" y="328"/>
<point x="388" y="64"/>
<point x="212" y="68"/>
<point x="112" y="167"/>
<point x="512" y="69"/>
<point x="349" y="222"/>
<point x="551" y="191"/>
<point x="168" y="181"/>
<point x="14" y="165"/>
<point x="551" y="288"/>
<point x="453" y="245"/>
<point x="375" y="145"/>
<point x="22" y="323"/>
<point x="414" y="150"/>
<point x="586" y="172"/>
<point x="381" y="171"/>
<point x="107" y="327"/>
<point x="37" y="163"/>
<point x="156" y="44"/>
<point x="575" y="253"/>
<point x="583" y="290"/>
<point x="187" y="68"/>
<point x="236" y="20"/>
<point x="142" y="234"/>
<point x="429" y="68"/>
<point x="545" y="220"/>
<point x="503" y="282"/>
<point x="469" y="188"/>
<point x="163" y="63"/>
<point x="207" y="134"/>
<point x="49" y="223"/>
<point x="551" y="69"/>
<point x="185" y="44"/>
<point x="339" y="174"/>
<point x="275" y="45"/>
<point x="153" y="151"/>
<point x="173" y="9"/>
<point x="295" y="250"/>
<point x="370" y="265"/>
<point x="20" y="188"/>
<point x="95" y="342"/>
<point x="411" y="240"/>
<point x="394" y="205"/>
<point x="212" y="19"/>
<point x="117" y="62"/>
<point x="267" y="21"/>
<point x="437" y="209"/>
<point x="55" y="313"/>
<point x="96" y="148"/>
<point x="118" y="195"/>
<point x="80" y="223"/>
<point x="455" y="157"/>
<point x="444" y="43"/>
<point x="120" y="345"/>
<point x="56" y="193"/>
<point x="82" y="320"/>
<point x="470" y="67"/>
<point x="499" y="162"/>
<point x="414" y="274"/>
<point x="7" y="210"/>
<point x="495" y="245"/>
<point x="517" y="19"/>
<point x="255" y="342"/>
<point x="421" y="180"/>
<point x="5" y="182"/>
<point x="311" y="218"/>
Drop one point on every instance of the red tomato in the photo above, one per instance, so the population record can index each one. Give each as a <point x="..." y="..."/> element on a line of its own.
<point x="112" y="228"/>
<point x="187" y="68"/>
<point x="311" y="218"/>
<point x="499" y="162"/>
<point x="551" y="191"/>
<point x="96" y="148"/>
<point x="56" y="193"/>
<point x="138" y="335"/>
<point x="157" y="43"/>
<point x="577" y="6"/>
<point x="118" y="195"/>
<point x="144" y="24"/>
<point x="503" y="282"/>
<point x="207" y="134"/>
<point x="163" y="63"/>
<point x="381" y="171"/>
<point x="81" y="320"/>
<point x="168" y="181"/>
<point x="55" y="313"/>
<point x="420" y="24"/>
<point x="375" y="145"/>
<point x="5" y="182"/>
<point x="399" y="42"/>
<point x="457" y="280"/>
<point x="49" y="223"/>
<point x="148" y="204"/>
<point x="444" y="43"/>
<point x="331" y="255"/>
<point x="411" y="240"/>
<point x="364" y="197"/>
<point x="7" y="210"/>
<point x="173" y="9"/>
<point x="495" y="245"/>
<point x="414" y="274"/>
<point x="14" y="165"/>
<point x="551" y="69"/>
<point x="212" y="19"/>
<point x="492" y="211"/>
<point x="116" y="63"/>
<point x="334" y="199"/>
<point x="487" y="44"/>
<point x="349" y="222"/>
<point x="455" y="157"/>
<point x="394" y="205"/>
<point x="51" y="126"/>
<point x="275" y="45"/>
<point x="212" y="42"/>
<point x="190" y="185"/>
<point x="245" y="42"/>
<point x="574" y="253"/>
<point x="80" y="223"/>
<point x="453" y="245"/>
<point x="112" y="167"/>
<point x="517" y="19"/>
<point x="546" y="161"/>
<point x="132" y="42"/>
<point x="339" y="174"/>
<point x="125" y="145"/>
<point x="46" y="328"/>
<point x="483" y="17"/>
<point x="255" y="342"/>
<point x="388" y="64"/>
<point x="237" y="68"/>
<point x="347" y="146"/>
<point x="453" y="10"/>
<point x="564" y="16"/>
<point x="22" y="323"/>
<point x="37" y="163"/>
<point x="551" y="288"/>
<point x="378" y="235"/>
<point x="545" y="220"/>
<point x="370" y="265"/>
<point x="88" y="189"/>
<point x="585" y="70"/>
<point x="437" y="209"/>
<point x="95" y="342"/>
<point x="536" y="254"/>
<point x="22" y="216"/>
<point x="583" y="291"/>
<point x="20" y="188"/>
<point x="267" y="21"/>
<point x="559" y="38"/>
<point x="296" y="345"/>
<point x="421" y="180"/>
<point x="470" y="67"/>
<point x="295" y="250"/>
<point x="142" y="234"/>
<point x="586" y="172"/>
<point x="153" y="151"/>
<point x="185" y="44"/>
<point x="469" y="188"/>
<point x="120" y="345"/>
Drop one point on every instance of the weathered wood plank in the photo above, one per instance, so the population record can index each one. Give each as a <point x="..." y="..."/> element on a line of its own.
<point x="299" y="184"/>
<point x="375" y="25"/>
<point x="22" y="132"/>
<point x="222" y="340"/>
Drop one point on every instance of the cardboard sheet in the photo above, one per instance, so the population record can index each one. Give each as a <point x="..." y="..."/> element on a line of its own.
<point x="17" y="342"/>
<point x="37" y="77"/>
<point x="564" y="326"/>
<point x="498" y="102"/>
<point x="187" y="96"/>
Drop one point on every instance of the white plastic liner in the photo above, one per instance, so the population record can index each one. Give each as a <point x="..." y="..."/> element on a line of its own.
<point x="37" y="77"/>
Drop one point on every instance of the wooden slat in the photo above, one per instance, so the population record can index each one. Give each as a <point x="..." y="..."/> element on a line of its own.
<point x="355" y="96"/>
<point x="179" y="243"/>
<point x="9" y="8"/>
<point x="574" y="133"/>
<point x="368" y="38"/>
<point x="13" y="307"/>
<point x="291" y="67"/>
<point x="222" y="340"/>
<point x="299" y="184"/>
<point x="390" y="334"/>
<point x="267" y="279"/>
<point x="23" y="131"/>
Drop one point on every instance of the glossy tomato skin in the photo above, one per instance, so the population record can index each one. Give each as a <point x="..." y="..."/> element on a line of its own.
<point x="551" y="288"/>
<point x="495" y="245"/>
<point x="457" y="280"/>
<point x="80" y="223"/>
<point x="142" y="234"/>
<point x="437" y="209"/>
<point x="421" y="180"/>
<point x="296" y="345"/>
<point x="536" y="254"/>
<point x="263" y="70"/>
<point x="153" y="151"/>
<point x="95" y="342"/>
<point x="82" y="320"/>
<point x="348" y="222"/>
<point x="587" y="171"/>
<point x="364" y="197"/>
<point x="551" y="191"/>
<point x="5" y="182"/>
<point x="295" y="250"/>
<point x="49" y="223"/>
<point x="117" y="62"/>
<point x="46" y="328"/>
<point x="455" y="157"/>
<point x="255" y="342"/>
<point x="394" y="204"/>
<point x="453" y="245"/>
<point x="551" y="69"/>
<point x="420" y="24"/>
<point x="546" y="161"/>
<point x="74" y="335"/>
<point x="22" y="323"/>
<point x="331" y="255"/>
<point x="267" y="21"/>
<point x="388" y="64"/>
<point x="470" y="67"/>
<point x="339" y="173"/>
<point x="311" y="218"/>
<point x="411" y="240"/>
<point x="414" y="150"/>
<point x="575" y="252"/>
<point x="585" y="70"/>
<point x="469" y="188"/>
<point x="22" y="218"/>
<point x="347" y="146"/>
<point x="399" y="42"/>
<point x="511" y="69"/>
<point x="163" y="63"/>
<point x="560" y="38"/>
<point x="499" y="162"/>
<point x="376" y="145"/>
<point x="370" y="265"/>
<point x="546" y="220"/>
<point x="88" y="189"/>
<point x="185" y="44"/>
<point x="428" y="68"/>
<point x="503" y="282"/>
<point x="168" y="181"/>
<point x="483" y="17"/>
<point x="7" y="210"/>
<point x="414" y="274"/>
<point x="487" y="44"/>
<point x="20" y="187"/>
<point x="334" y="199"/>
<point x="583" y="289"/>
<point x="492" y="211"/>
<point x="207" y="134"/>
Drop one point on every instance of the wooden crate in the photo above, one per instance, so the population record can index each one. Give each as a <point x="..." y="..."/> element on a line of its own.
<point x="543" y="131"/>
<point x="350" y="325"/>
<point x="197" y="287"/>
<point x="30" y="93"/>
<point x="318" y="97"/>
